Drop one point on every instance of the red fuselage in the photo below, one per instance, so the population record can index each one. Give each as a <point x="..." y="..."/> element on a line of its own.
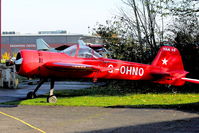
<point x="33" y="65"/>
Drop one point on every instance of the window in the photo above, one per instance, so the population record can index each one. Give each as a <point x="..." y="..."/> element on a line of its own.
<point x="82" y="51"/>
<point x="71" y="51"/>
<point x="87" y="52"/>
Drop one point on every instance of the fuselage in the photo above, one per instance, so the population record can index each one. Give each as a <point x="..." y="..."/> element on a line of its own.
<point x="33" y="65"/>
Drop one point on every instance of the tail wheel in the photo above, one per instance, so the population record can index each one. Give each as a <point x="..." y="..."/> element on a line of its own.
<point x="174" y="90"/>
<point x="52" y="99"/>
<point x="31" y="95"/>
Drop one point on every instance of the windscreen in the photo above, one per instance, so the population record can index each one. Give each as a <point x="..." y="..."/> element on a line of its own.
<point x="81" y="50"/>
<point x="87" y="52"/>
<point x="71" y="51"/>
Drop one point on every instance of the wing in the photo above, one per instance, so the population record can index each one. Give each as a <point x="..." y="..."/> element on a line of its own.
<point x="61" y="66"/>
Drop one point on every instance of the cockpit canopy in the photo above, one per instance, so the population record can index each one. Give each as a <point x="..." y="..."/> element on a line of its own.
<point x="81" y="51"/>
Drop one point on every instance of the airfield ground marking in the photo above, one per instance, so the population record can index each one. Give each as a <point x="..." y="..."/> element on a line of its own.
<point x="23" y="122"/>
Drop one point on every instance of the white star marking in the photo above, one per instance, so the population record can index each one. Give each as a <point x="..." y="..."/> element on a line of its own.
<point x="164" y="62"/>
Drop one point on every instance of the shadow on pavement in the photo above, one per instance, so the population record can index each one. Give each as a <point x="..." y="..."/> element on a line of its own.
<point x="7" y="106"/>
<point x="189" y="125"/>
<point x="189" y="107"/>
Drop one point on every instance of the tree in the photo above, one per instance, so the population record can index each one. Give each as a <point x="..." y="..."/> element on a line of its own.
<point x="137" y="29"/>
<point x="185" y="18"/>
<point x="142" y="20"/>
<point x="117" y="40"/>
<point x="134" y="35"/>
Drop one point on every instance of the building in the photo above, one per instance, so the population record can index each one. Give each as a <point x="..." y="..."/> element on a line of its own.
<point x="12" y="43"/>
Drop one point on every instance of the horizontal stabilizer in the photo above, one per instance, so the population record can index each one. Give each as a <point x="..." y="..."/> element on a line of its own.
<point x="196" y="81"/>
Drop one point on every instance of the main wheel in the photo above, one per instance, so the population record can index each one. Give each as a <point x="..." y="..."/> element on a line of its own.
<point x="31" y="95"/>
<point x="52" y="99"/>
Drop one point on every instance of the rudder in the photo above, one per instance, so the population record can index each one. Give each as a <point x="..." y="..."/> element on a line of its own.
<point x="169" y="58"/>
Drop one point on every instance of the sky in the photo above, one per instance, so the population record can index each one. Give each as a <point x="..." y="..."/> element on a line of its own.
<point x="74" y="16"/>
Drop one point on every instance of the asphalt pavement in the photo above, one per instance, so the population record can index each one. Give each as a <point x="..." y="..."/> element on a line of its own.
<point x="54" y="119"/>
<point x="59" y="119"/>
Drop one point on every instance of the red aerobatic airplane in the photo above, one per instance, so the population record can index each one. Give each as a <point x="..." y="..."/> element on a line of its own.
<point x="80" y="61"/>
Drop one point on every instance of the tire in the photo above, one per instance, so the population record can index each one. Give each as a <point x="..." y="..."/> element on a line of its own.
<point x="52" y="99"/>
<point x="31" y="95"/>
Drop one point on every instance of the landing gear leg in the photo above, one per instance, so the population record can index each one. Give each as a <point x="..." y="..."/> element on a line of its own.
<point x="52" y="98"/>
<point x="32" y="94"/>
<point x="173" y="89"/>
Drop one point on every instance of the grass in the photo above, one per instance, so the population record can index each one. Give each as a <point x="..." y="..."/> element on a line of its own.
<point x="92" y="97"/>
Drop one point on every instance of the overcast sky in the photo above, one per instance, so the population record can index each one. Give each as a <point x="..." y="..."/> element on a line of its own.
<point x="31" y="16"/>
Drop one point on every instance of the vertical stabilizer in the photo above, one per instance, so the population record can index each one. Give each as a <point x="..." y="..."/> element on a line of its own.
<point x="42" y="45"/>
<point x="169" y="58"/>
